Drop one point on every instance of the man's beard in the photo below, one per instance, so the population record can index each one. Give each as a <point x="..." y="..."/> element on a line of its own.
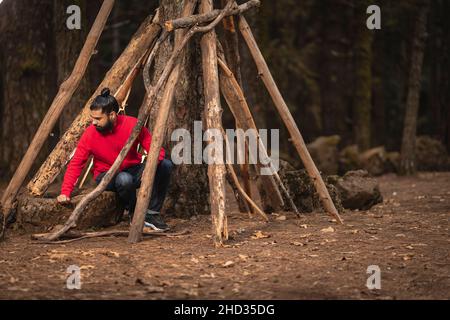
<point x="106" y="128"/>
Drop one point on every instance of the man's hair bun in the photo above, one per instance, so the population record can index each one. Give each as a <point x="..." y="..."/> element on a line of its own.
<point x="105" y="102"/>
<point x="105" y="92"/>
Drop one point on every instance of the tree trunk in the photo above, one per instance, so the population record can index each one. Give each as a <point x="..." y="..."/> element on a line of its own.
<point x="68" y="44"/>
<point x="408" y="165"/>
<point x="439" y="85"/>
<point x="28" y="77"/>
<point x="334" y="68"/>
<point x="362" y="103"/>
<point x="188" y="193"/>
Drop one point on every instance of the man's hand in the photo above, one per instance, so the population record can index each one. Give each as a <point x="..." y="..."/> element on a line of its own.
<point x="63" y="199"/>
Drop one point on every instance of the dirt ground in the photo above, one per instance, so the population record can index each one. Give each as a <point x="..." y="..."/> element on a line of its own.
<point x="407" y="236"/>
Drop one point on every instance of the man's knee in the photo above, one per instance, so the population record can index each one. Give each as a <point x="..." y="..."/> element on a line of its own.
<point x="124" y="180"/>
<point x="166" y="166"/>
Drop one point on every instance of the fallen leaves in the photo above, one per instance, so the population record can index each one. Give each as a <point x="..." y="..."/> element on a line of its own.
<point x="327" y="230"/>
<point x="260" y="235"/>
<point x="228" y="264"/>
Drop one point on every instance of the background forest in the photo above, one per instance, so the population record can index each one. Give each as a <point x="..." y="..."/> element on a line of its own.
<point x="338" y="77"/>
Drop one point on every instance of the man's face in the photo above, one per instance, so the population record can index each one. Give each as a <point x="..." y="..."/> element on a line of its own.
<point x="103" y="122"/>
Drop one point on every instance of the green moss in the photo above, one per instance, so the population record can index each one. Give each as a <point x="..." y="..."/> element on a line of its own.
<point x="31" y="63"/>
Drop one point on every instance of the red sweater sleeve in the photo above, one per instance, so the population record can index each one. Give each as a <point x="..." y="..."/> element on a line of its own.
<point x="76" y="165"/>
<point x="145" y="138"/>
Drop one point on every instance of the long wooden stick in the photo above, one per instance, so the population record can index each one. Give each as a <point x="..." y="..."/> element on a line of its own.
<point x="114" y="79"/>
<point x="239" y="108"/>
<point x="213" y="117"/>
<point x="190" y="21"/>
<point x="288" y="120"/>
<point x="238" y="185"/>
<point x="109" y="233"/>
<point x="238" y="105"/>
<point x="145" y="191"/>
<point x="65" y="92"/>
<point x="157" y="139"/>
<point x="231" y="52"/>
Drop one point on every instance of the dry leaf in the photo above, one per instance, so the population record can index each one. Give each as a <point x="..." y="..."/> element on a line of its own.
<point x="227" y="264"/>
<point x="327" y="230"/>
<point x="259" y="235"/>
<point x="243" y="257"/>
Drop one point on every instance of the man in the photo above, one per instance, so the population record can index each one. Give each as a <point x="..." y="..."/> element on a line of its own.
<point x="104" y="140"/>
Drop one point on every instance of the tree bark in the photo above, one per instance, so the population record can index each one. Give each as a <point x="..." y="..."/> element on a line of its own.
<point x="143" y="198"/>
<point x="188" y="193"/>
<point x="408" y="165"/>
<point x="362" y="103"/>
<point x="68" y="44"/>
<point x="213" y="115"/>
<point x="27" y="86"/>
<point x="60" y="155"/>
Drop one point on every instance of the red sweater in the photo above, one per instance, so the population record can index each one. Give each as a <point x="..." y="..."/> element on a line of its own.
<point x="105" y="148"/>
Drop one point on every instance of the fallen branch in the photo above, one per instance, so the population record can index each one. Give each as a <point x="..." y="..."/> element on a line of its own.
<point x="117" y="233"/>
<point x="190" y="21"/>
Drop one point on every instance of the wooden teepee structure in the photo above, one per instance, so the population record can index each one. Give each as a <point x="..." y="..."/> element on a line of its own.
<point x="217" y="78"/>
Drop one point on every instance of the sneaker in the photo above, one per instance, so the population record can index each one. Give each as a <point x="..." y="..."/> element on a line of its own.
<point x="153" y="220"/>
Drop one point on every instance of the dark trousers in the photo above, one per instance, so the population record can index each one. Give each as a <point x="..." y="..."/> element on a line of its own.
<point x="127" y="181"/>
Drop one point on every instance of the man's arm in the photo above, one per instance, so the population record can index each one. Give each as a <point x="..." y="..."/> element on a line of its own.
<point x="74" y="168"/>
<point x="145" y="138"/>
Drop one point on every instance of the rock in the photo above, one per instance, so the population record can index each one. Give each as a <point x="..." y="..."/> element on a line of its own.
<point x="374" y="160"/>
<point x="40" y="214"/>
<point x="303" y="192"/>
<point x="349" y="159"/>
<point x="431" y="154"/>
<point x="357" y="190"/>
<point x="324" y="152"/>
<point x="392" y="162"/>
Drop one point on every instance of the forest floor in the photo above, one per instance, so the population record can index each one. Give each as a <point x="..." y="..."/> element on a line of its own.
<point x="311" y="257"/>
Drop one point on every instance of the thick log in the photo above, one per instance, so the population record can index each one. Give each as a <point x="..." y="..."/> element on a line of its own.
<point x="213" y="116"/>
<point x="287" y="118"/>
<point x="41" y="214"/>
<point x="190" y="21"/>
<point x="63" y="96"/>
<point x="143" y="198"/>
<point x="114" y="79"/>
